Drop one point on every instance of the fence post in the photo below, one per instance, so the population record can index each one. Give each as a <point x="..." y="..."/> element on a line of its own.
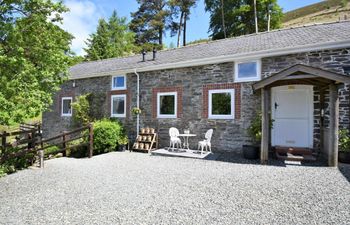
<point x="64" y="145"/>
<point x="91" y="139"/>
<point x="41" y="158"/>
<point x="3" y="145"/>
<point x="30" y="141"/>
<point x="3" y="140"/>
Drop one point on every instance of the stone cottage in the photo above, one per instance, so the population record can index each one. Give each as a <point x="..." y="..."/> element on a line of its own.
<point x="292" y="75"/>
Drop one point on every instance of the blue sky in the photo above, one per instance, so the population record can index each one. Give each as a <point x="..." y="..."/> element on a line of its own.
<point x="84" y="14"/>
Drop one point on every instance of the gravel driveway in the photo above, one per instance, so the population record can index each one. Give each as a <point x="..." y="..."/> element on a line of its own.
<point x="135" y="188"/>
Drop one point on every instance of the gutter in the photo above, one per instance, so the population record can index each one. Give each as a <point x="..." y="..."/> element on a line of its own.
<point x="137" y="102"/>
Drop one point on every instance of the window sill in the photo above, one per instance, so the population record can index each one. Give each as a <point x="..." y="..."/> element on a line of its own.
<point x="119" y="89"/>
<point x="247" y="80"/>
<point x="118" y="116"/>
<point x="221" y="117"/>
<point x="166" y="117"/>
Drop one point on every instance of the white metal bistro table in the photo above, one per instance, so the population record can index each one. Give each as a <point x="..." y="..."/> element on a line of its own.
<point x="186" y="137"/>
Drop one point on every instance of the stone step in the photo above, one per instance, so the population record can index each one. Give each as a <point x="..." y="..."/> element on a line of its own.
<point x="294" y="151"/>
<point x="295" y="156"/>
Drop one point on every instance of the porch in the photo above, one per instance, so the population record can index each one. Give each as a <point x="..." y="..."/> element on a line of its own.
<point x="327" y="84"/>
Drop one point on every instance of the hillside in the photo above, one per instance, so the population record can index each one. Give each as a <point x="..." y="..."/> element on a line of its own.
<point x="325" y="11"/>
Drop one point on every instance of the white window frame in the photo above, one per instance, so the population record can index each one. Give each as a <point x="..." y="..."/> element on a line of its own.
<point x="119" y="88"/>
<point x="115" y="114"/>
<point x="232" y="114"/>
<point x="248" y="79"/>
<point x="166" y="116"/>
<point x="71" y="109"/>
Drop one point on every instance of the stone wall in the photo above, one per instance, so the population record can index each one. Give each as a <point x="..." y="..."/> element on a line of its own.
<point x="229" y="135"/>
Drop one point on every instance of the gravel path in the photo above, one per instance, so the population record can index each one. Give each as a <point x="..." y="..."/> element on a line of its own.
<point x="135" y="188"/>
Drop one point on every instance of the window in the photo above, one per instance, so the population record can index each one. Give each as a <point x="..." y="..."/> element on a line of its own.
<point x="119" y="82"/>
<point x="221" y="104"/>
<point x="66" y="106"/>
<point x="167" y="105"/>
<point x="248" y="71"/>
<point x="118" y="105"/>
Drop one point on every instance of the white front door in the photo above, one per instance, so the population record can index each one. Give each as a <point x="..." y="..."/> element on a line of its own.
<point x="292" y="112"/>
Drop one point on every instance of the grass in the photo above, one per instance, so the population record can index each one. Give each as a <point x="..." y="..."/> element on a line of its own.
<point x="15" y="126"/>
<point x="326" y="11"/>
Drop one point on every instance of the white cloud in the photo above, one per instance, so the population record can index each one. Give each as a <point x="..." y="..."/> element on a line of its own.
<point x="81" y="21"/>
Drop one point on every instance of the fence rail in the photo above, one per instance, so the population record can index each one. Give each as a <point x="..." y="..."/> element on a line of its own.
<point x="29" y="140"/>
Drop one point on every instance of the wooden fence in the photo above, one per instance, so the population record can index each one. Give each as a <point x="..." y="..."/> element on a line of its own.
<point x="29" y="140"/>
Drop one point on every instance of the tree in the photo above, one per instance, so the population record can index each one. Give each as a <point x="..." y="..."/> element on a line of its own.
<point x="182" y="8"/>
<point x="240" y="14"/>
<point x="112" y="39"/>
<point x="34" y="57"/>
<point x="150" y="21"/>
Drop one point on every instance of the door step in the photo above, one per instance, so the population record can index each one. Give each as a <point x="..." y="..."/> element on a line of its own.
<point x="295" y="154"/>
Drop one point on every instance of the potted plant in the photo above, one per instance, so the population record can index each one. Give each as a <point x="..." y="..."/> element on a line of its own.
<point x="252" y="151"/>
<point x="122" y="143"/>
<point x="136" y="111"/>
<point x="344" y="146"/>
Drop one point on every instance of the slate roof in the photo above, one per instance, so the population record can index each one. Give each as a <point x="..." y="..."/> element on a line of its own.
<point x="299" y="37"/>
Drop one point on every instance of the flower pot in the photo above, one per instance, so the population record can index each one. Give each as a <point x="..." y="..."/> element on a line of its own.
<point x="251" y="151"/>
<point x="121" y="148"/>
<point x="344" y="157"/>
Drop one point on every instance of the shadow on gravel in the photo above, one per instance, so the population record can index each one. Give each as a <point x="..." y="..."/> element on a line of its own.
<point x="345" y="170"/>
<point x="235" y="157"/>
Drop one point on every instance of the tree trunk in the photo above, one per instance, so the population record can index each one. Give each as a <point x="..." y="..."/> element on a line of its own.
<point x="223" y="18"/>
<point x="268" y="17"/>
<point x="256" y="18"/>
<point x="160" y="38"/>
<point x="180" y="28"/>
<point x="184" y="33"/>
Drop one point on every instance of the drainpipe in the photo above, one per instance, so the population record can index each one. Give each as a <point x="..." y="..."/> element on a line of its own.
<point x="137" y="103"/>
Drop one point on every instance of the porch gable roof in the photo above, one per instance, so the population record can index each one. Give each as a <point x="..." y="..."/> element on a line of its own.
<point x="303" y="74"/>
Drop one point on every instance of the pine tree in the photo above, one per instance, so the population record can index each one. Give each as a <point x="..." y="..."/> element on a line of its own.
<point x="180" y="9"/>
<point x="240" y="14"/>
<point x="112" y="39"/>
<point x="149" y="22"/>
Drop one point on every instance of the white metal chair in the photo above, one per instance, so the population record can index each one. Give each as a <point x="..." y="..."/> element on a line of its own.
<point x="174" y="138"/>
<point x="206" y="143"/>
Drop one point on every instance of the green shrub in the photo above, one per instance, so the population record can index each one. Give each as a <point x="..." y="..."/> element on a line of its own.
<point x="3" y="170"/>
<point x="255" y="128"/>
<point x="16" y="163"/>
<point x="81" y="110"/>
<point x="51" y="150"/>
<point x="106" y="135"/>
<point x="344" y="140"/>
<point x="76" y="152"/>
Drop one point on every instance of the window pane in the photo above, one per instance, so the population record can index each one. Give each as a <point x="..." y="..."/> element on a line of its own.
<point x="247" y="70"/>
<point x="118" y="105"/>
<point x="221" y="104"/>
<point x="118" y="82"/>
<point x="66" y="106"/>
<point x="167" y="105"/>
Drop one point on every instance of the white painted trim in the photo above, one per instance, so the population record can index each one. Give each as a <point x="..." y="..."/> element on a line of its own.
<point x="71" y="109"/>
<point x="166" y="116"/>
<point x="249" y="79"/>
<point x="119" y="88"/>
<point x="226" y="58"/>
<point x="311" y="111"/>
<point x="225" y="117"/>
<point x="118" y="115"/>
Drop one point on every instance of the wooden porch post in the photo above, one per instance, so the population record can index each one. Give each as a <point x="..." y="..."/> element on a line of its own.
<point x="333" y="125"/>
<point x="264" y="153"/>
